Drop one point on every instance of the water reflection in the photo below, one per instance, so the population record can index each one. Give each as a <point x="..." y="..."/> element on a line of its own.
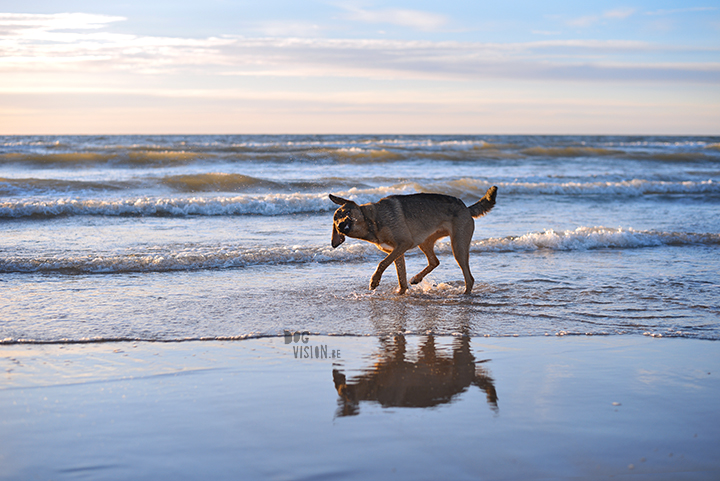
<point x="428" y="378"/>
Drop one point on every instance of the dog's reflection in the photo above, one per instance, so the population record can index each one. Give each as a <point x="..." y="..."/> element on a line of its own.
<point x="434" y="378"/>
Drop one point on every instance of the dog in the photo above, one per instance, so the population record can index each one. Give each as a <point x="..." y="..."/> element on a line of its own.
<point x="400" y="222"/>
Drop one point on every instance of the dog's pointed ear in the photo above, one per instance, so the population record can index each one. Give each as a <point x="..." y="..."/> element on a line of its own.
<point x="340" y="200"/>
<point x="337" y="237"/>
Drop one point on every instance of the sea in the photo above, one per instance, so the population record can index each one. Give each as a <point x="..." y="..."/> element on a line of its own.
<point x="172" y="238"/>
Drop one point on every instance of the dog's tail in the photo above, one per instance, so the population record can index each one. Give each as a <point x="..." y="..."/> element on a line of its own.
<point x="484" y="205"/>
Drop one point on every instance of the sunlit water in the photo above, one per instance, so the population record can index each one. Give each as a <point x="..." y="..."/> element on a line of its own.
<point x="214" y="237"/>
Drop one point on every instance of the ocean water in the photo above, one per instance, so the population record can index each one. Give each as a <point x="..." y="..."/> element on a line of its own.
<point x="172" y="238"/>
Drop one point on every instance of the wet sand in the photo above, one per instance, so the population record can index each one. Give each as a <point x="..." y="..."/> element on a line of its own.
<point x="416" y="407"/>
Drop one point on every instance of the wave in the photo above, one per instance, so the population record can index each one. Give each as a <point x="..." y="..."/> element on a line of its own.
<point x="126" y="157"/>
<point x="31" y="186"/>
<point x="172" y="258"/>
<point x="302" y="202"/>
<point x="270" y="204"/>
<point x="406" y="332"/>
<point x="588" y="238"/>
<point x="475" y="188"/>
<point x="161" y="151"/>
<point x="177" y="258"/>
<point x="376" y="154"/>
<point x="207" y="182"/>
<point x="154" y="339"/>
<point x="574" y="151"/>
<point x="341" y="155"/>
<point x="224" y="182"/>
<point x="217" y="182"/>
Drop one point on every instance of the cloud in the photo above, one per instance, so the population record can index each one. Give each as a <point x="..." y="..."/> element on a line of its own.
<point x="675" y="11"/>
<point x="619" y="13"/>
<point x="416" y="19"/>
<point x="45" y="44"/>
<point x="285" y="28"/>
<point x="18" y="22"/>
<point x="48" y="41"/>
<point x="588" y="20"/>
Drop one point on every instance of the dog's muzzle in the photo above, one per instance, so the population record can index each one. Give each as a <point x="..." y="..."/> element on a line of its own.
<point x="337" y="238"/>
<point x="344" y="227"/>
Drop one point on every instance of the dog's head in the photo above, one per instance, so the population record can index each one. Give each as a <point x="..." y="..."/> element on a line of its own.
<point x="345" y="219"/>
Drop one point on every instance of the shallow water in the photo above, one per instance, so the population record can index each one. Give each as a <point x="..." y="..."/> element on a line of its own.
<point x="213" y="237"/>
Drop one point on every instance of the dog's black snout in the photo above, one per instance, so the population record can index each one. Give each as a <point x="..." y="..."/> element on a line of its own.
<point x="344" y="227"/>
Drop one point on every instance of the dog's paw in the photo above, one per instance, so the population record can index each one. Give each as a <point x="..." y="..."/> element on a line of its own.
<point x="416" y="279"/>
<point x="374" y="282"/>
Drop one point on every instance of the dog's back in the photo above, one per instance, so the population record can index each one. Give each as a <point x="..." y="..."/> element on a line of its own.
<point x="422" y="205"/>
<point x="427" y="206"/>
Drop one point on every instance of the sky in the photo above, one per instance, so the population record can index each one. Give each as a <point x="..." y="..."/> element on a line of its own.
<point x="359" y="67"/>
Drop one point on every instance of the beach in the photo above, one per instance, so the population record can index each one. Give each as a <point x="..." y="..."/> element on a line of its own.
<point x="556" y="407"/>
<point x="172" y="308"/>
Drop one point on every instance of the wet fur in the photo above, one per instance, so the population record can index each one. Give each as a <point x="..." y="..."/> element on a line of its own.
<point x="400" y="222"/>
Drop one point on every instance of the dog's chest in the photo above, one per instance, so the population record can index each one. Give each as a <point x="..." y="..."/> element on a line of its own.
<point x="384" y="247"/>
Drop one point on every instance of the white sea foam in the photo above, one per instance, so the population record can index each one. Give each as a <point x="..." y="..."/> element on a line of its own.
<point x="629" y="188"/>
<point x="172" y="258"/>
<point x="635" y="187"/>
<point x="470" y="188"/>
<point x="271" y="204"/>
<point x="584" y="238"/>
<point x="280" y="204"/>
<point x="160" y="259"/>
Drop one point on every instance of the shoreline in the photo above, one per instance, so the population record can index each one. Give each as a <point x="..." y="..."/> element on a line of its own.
<point x="403" y="407"/>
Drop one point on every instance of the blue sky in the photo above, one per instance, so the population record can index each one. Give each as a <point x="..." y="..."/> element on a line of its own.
<point x="554" y="67"/>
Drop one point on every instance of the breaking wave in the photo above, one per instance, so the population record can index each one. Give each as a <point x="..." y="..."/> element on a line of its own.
<point x="174" y="258"/>
<point x="306" y="202"/>
<point x="271" y="204"/>
<point x="464" y="188"/>
<point x="586" y="238"/>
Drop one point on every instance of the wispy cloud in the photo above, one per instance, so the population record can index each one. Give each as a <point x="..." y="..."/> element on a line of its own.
<point x="619" y="13"/>
<point x="280" y="28"/>
<point x="588" y="20"/>
<point x="546" y="60"/>
<point x="624" y="13"/>
<point x="50" y="41"/>
<point x="47" y="44"/>
<point x="416" y="19"/>
<point x="546" y="32"/>
<point x="674" y="11"/>
<point x="59" y="21"/>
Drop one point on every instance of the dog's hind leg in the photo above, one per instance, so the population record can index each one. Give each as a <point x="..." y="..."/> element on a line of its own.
<point x="402" y="274"/>
<point x="460" y="243"/>
<point x="428" y="248"/>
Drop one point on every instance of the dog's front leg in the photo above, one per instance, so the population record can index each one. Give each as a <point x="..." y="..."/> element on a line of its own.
<point x="402" y="275"/>
<point x="385" y="263"/>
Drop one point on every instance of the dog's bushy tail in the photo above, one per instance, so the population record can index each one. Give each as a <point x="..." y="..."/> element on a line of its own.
<point x="484" y="205"/>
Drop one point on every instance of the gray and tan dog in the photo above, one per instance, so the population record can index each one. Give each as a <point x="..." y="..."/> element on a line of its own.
<point x="400" y="222"/>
